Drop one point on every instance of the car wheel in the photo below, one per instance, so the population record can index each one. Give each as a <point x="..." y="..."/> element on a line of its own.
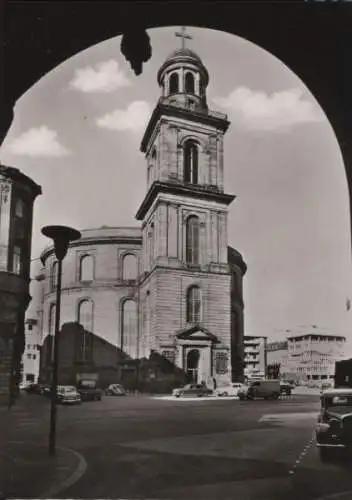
<point x="241" y="398"/>
<point x="276" y="395"/>
<point x="324" y="454"/>
<point x="177" y="395"/>
<point x="225" y="394"/>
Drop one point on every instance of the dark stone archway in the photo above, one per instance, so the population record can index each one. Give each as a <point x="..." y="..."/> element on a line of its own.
<point x="313" y="38"/>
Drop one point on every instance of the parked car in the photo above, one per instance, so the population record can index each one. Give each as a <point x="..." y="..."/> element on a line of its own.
<point x="334" y="426"/>
<point x="286" y="388"/>
<point x="198" y="390"/>
<point x="267" y="389"/>
<point x="115" y="390"/>
<point x="89" y="391"/>
<point x="36" y="388"/>
<point x="32" y="389"/>
<point x="68" y="394"/>
<point x="230" y="390"/>
<point x="45" y="390"/>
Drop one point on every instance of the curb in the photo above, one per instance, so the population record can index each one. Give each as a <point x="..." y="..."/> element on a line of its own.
<point x="58" y="487"/>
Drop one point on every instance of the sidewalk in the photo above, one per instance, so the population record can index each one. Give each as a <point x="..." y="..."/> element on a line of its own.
<point x="309" y="391"/>
<point x="26" y="469"/>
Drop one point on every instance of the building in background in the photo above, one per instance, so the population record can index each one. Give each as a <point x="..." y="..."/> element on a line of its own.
<point x="17" y="195"/>
<point x="33" y="329"/>
<point x="172" y="286"/>
<point x="255" y="363"/>
<point x="312" y="356"/>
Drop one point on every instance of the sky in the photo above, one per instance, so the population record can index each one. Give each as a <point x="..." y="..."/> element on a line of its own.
<point x="77" y="133"/>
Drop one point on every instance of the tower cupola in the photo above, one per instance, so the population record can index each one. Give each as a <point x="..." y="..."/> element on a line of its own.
<point x="183" y="78"/>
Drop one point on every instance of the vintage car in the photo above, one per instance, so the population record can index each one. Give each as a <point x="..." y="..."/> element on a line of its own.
<point x="334" y="426"/>
<point x="264" y="388"/>
<point x="230" y="390"/>
<point x="197" y="390"/>
<point x="68" y="394"/>
<point x="286" y="388"/>
<point x="89" y="391"/>
<point x="115" y="390"/>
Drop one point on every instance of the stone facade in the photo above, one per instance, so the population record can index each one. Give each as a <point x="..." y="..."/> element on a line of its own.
<point x="17" y="195"/>
<point x="184" y="301"/>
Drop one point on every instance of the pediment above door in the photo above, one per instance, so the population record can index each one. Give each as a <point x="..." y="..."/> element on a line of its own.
<point x="196" y="333"/>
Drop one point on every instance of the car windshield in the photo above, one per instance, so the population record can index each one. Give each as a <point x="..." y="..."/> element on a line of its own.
<point x="337" y="400"/>
<point x="70" y="389"/>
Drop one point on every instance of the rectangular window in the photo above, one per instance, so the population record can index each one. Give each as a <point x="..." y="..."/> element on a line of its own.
<point x="84" y="349"/>
<point x="16" y="259"/>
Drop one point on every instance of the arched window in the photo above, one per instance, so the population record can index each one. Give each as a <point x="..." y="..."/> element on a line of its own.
<point x="192" y="240"/>
<point x="129" y="328"/>
<point x="85" y="314"/>
<point x="129" y="267"/>
<point x="190" y="159"/>
<point x="54" y="275"/>
<point x="19" y="208"/>
<point x="189" y="83"/>
<point x="193" y="304"/>
<point x="86" y="268"/>
<point x="173" y="84"/>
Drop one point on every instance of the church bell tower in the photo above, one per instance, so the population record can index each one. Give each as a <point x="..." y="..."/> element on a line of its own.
<point x="186" y="284"/>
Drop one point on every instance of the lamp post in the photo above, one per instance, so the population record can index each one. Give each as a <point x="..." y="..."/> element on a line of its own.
<point x="61" y="236"/>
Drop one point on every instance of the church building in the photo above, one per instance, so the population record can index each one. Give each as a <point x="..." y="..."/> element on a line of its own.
<point x="185" y="296"/>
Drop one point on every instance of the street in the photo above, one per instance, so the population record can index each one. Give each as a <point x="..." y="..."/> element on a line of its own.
<point x="145" y="447"/>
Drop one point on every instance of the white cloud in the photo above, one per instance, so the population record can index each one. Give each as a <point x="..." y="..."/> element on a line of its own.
<point x="40" y="141"/>
<point x="133" y="118"/>
<point x="104" y="77"/>
<point x="260" y="111"/>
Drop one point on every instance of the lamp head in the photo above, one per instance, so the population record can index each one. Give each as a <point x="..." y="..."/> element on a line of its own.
<point x="61" y="236"/>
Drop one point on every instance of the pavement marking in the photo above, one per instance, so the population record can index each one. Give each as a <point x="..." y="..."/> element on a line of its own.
<point x="274" y="417"/>
<point x="70" y="481"/>
<point x="302" y="455"/>
<point x="205" y="398"/>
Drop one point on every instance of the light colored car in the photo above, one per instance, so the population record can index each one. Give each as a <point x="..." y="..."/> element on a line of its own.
<point x="190" y="390"/>
<point x="230" y="390"/>
<point x="68" y="394"/>
<point x="115" y="390"/>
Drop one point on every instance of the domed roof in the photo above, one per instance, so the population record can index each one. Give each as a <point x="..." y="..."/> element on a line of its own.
<point x="184" y="52"/>
<point x="184" y="55"/>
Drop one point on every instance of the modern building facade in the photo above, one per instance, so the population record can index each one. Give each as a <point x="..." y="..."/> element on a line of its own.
<point x="173" y="285"/>
<point x="255" y="362"/>
<point x="17" y="195"/>
<point x="312" y="356"/>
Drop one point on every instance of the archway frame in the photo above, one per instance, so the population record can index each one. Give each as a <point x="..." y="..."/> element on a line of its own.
<point x="34" y="32"/>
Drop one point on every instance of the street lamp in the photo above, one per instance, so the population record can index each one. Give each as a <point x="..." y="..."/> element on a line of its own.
<point x="61" y="236"/>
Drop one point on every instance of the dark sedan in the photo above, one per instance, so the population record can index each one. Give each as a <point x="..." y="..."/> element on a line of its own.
<point x="334" y="427"/>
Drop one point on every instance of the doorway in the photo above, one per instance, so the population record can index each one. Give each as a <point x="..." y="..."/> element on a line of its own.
<point x="192" y="366"/>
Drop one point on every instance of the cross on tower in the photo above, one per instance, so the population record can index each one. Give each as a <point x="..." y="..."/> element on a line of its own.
<point x="183" y="35"/>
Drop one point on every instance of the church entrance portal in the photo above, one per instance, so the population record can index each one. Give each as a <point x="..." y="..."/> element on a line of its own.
<point x="192" y="366"/>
